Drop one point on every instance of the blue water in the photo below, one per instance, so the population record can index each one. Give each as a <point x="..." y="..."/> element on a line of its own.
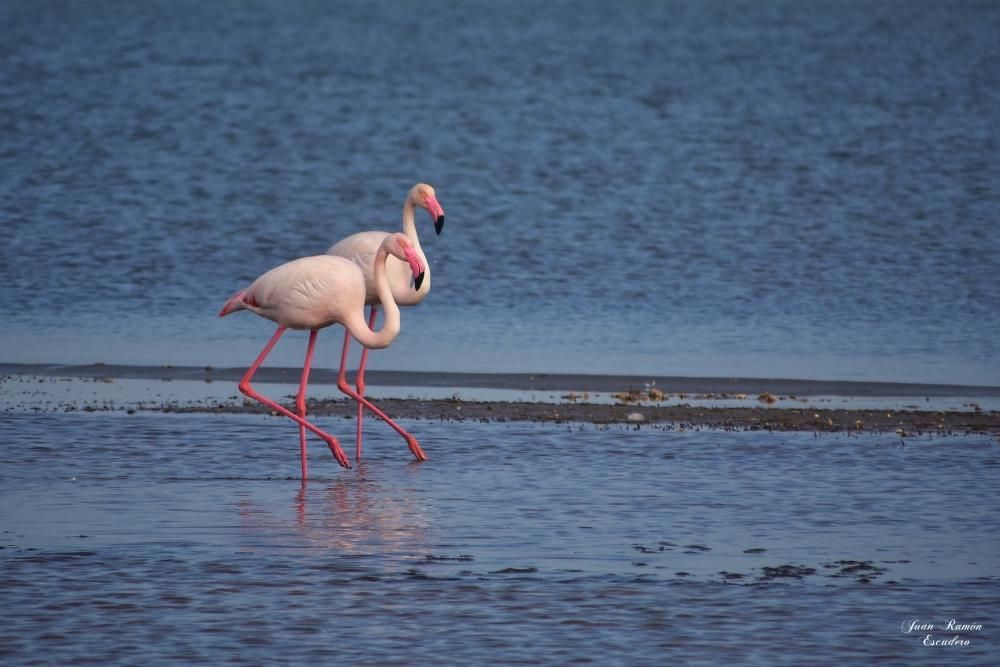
<point x="161" y="539"/>
<point x="719" y="188"/>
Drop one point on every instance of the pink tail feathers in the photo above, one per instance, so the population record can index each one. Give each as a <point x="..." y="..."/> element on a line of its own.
<point x="235" y="303"/>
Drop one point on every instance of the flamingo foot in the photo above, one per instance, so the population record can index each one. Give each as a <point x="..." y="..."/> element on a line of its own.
<point x="415" y="448"/>
<point x="338" y="453"/>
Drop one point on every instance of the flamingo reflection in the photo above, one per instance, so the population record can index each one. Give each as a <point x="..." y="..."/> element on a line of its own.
<point x="357" y="515"/>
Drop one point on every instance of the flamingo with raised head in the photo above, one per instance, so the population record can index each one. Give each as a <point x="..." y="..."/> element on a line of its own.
<point x="313" y="293"/>
<point x="361" y="248"/>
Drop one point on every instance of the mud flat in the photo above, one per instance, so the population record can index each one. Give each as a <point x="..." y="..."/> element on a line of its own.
<point x="680" y="417"/>
<point x="674" y="403"/>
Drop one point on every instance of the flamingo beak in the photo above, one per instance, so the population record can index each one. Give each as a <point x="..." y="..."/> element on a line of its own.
<point x="434" y="208"/>
<point x="416" y="267"/>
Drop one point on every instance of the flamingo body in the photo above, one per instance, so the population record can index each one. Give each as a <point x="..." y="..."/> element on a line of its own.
<point x="308" y="293"/>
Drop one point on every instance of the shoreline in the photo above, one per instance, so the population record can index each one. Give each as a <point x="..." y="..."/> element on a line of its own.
<point x="516" y="381"/>
<point x="735" y="404"/>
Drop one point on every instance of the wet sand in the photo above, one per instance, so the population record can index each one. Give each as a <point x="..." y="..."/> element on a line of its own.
<point x="718" y="403"/>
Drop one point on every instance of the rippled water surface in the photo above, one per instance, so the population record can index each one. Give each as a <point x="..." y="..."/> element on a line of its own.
<point x="167" y="538"/>
<point x="721" y="188"/>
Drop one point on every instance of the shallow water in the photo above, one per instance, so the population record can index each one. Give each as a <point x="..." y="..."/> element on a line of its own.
<point x="515" y="543"/>
<point x="710" y="189"/>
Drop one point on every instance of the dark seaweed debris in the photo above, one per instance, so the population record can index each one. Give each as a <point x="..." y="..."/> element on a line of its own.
<point x="786" y="572"/>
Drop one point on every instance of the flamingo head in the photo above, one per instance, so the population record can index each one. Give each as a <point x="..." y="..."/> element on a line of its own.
<point x="422" y="195"/>
<point x="400" y="247"/>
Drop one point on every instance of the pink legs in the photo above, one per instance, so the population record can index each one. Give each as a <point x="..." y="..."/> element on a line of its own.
<point x="359" y="381"/>
<point x="346" y="388"/>
<point x="245" y="387"/>
<point x="300" y="400"/>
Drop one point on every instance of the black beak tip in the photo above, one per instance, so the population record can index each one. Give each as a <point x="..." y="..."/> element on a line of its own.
<point x="418" y="280"/>
<point x="439" y="224"/>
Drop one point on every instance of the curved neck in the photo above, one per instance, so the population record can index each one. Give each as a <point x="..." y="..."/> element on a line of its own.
<point x="390" y="329"/>
<point x="409" y="226"/>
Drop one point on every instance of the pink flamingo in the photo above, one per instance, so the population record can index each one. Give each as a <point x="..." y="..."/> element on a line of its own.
<point x="361" y="248"/>
<point x="313" y="293"/>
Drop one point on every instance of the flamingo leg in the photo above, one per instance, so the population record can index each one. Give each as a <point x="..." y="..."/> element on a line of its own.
<point x="300" y="401"/>
<point x="359" y="382"/>
<point x="347" y="389"/>
<point x="245" y="387"/>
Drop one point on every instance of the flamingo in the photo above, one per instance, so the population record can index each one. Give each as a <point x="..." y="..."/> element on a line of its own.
<point x="313" y="293"/>
<point x="361" y="248"/>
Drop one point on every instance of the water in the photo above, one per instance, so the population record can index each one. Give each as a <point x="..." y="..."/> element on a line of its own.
<point x="708" y="189"/>
<point x="516" y="543"/>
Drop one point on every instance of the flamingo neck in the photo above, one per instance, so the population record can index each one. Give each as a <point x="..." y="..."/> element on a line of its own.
<point x="390" y="329"/>
<point x="409" y="225"/>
